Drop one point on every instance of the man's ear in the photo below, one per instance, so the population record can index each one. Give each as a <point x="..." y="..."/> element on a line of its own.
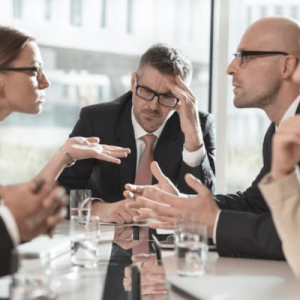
<point x="290" y="65"/>
<point x="132" y="81"/>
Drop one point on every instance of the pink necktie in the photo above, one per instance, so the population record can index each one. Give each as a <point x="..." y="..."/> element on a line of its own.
<point x="143" y="173"/>
<point x="144" y="177"/>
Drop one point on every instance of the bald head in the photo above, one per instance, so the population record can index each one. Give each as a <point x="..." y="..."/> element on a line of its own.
<point x="273" y="34"/>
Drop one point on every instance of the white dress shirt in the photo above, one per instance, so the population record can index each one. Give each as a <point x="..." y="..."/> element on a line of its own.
<point x="192" y="159"/>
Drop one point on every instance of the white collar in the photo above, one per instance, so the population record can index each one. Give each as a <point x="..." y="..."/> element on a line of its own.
<point x="291" y="111"/>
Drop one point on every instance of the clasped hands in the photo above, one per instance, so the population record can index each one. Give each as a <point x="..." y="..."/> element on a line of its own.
<point x="37" y="206"/>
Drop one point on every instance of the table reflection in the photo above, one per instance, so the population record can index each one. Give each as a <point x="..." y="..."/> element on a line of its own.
<point x="133" y="247"/>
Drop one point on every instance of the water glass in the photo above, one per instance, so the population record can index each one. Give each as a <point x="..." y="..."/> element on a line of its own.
<point x="191" y="248"/>
<point x="32" y="280"/>
<point x="85" y="241"/>
<point x="80" y="202"/>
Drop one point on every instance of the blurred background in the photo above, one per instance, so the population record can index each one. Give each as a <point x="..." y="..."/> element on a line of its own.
<point x="91" y="47"/>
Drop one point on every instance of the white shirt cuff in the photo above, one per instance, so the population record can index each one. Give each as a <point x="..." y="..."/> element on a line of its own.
<point x="215" y="228"/>
<point x="10" y="224"/>
<point x="193" y="159"/>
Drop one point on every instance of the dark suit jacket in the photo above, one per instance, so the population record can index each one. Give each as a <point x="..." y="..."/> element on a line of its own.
<point x="245" y="227"/>
<point x="6" y="246"/>
<point x="111" y="122"/>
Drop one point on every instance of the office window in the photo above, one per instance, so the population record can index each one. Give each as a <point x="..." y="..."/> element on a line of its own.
<point x="86" y="70"/>
<point x="129" y="16"/>
<point x="104" y="14"/>
<point x="17" y="9"/>
<point x="191" y="17"/>
<point x="294" y="12"/>
<point x="76" y="12"/>
<point x="249" y="15"/>
<point x="48" y="9"/>
<point x="278" y="10"/>
<point x="263" y="11"/>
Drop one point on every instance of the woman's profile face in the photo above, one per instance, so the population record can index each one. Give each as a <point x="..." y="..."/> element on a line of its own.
<point x="24" y="91"/>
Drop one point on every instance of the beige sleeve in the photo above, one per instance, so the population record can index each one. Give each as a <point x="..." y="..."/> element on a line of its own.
<point x="283" y="198"/>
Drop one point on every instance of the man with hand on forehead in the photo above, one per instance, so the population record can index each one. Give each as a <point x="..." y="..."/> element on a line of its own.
<point x="263" y="76"/>
<point x="157" y="119"/>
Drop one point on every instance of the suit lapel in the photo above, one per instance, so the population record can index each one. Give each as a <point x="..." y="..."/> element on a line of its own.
<point x="267" y="148"/>
<point x="298" y="110"/>
<point x="125" y="135"/>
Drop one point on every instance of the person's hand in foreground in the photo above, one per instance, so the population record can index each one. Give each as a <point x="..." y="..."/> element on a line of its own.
<point x="134" y="191"/>
<point x="166" y="207"/>
<point x="83" y="148"/>
<point x="78" y="148"/>
<point x="116" y="212"/>
<point x="286" y="148"/>
<point x="36" y="206"/>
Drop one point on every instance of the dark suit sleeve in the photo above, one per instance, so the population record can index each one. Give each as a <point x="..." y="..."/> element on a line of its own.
<point x="77" y="176"/>
<point x="206" y="170"/>
<point x="249" y="201"/>
<point x="244" y="234"/>
<point x="6" y="246"/>
<point x="245" y="227"/>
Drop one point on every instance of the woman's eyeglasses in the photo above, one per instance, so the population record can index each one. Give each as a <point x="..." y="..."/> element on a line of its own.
<point x="38" y="70"/>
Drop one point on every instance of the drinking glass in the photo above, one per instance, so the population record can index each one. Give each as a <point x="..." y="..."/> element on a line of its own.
<point x="32" y="280"/>
<point x="85" y="241"/>
<point x="191" y="248"/>
<point x="80" y="202"/>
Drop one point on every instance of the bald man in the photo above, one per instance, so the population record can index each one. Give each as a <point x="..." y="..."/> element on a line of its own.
<point x="241" y="224"/>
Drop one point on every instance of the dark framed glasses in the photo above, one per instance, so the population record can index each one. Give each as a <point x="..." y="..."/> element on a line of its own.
<point x="38" y="70"/>
<point x="147" y="94"/>
<point x="241" y="56"/>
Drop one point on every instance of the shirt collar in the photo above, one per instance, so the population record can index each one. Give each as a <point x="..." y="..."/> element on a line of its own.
<point x="291" y="111"/>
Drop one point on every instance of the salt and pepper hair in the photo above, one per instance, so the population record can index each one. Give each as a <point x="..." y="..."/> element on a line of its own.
<point x="167" y="60"/>
<point x="12" y="41"/>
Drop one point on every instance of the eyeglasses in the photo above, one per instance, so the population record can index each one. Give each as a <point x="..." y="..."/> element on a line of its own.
<point x="242" y="55"/>
<point x="148" y="95"/>
<point x="38" y="70"/>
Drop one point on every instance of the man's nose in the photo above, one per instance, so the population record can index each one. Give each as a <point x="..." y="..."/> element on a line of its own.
<point x="232" y="67"/>
<point x="154" y="104"/>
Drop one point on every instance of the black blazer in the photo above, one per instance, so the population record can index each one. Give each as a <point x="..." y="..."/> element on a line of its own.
<point x="245" y="227"/>
<point x="6" y="246"/>
<point x="111" y="122"/>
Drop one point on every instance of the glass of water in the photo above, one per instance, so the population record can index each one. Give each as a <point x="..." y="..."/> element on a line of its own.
<point x="32" y="280"/>
<point x="191" y="248"/>
<point x="85" y="241"/>
<point x="80" y="202"/>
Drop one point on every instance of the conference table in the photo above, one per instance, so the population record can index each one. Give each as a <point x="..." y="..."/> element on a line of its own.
<point x="125" y="271"/>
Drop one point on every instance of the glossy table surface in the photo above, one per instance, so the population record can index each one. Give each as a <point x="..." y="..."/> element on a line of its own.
<point x="121" y="247"/>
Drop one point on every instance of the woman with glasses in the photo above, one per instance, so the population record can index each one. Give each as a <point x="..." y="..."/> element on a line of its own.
<point x="22" y="89"/>
<point x="29" y="209"/>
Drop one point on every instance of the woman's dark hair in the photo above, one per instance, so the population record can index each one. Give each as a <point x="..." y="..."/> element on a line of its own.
<point x="12" y="41"/>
